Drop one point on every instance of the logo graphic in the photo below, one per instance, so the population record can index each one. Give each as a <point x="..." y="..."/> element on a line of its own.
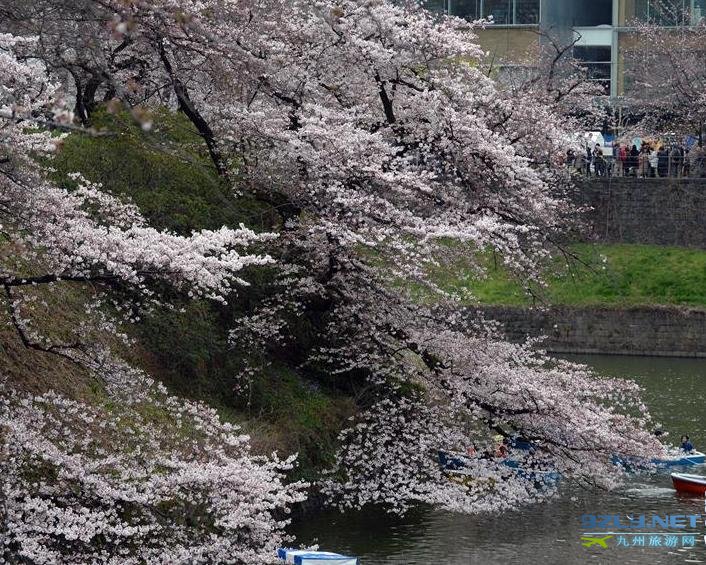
<point x="590" y="542"/>
<point x="607" y="531"/>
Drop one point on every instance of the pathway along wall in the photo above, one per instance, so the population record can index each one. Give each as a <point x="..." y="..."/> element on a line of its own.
<point x="654" y="331"/>
<point x="661" y="211"/>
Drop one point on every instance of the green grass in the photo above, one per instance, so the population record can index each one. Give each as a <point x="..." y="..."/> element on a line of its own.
<point x="617" y="275"/>
<point x="165" y="171"/>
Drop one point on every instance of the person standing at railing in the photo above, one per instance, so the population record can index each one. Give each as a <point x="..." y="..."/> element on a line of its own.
<point x="570" y="158"/>
<point x="644" y="161"/>
<point x="685" y="169"/>
<point x="622" y="163"/>
<point x="697" y="162"/>
<point x="654" y="161"/>
<point x="662" y="162"/>
<point x="675" y="162"/>
<point x="633" y="160"/>
<point x="621" y="157"/>
<point x="614" y="167"/>
<point x="589" y="160"/>
<point x="599" y="163"/>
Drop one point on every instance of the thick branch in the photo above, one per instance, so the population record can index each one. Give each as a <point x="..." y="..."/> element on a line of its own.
<point x="190" y="111"/>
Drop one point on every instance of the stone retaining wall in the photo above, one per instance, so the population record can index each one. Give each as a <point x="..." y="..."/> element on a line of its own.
<point x="669" y="332"/>
<point x="660" y="211"/>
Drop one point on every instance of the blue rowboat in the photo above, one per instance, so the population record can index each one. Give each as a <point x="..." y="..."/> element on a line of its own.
<point x="455" y="464"/>
<point x="674" y="459"/>
<point x="306" y="557"/>
<point x="544" y="477"/>
<point x="683" y="458"/>
<point x="452" y="461"/>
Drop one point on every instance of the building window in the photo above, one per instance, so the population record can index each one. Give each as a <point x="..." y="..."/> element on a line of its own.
<point x="468" y="9"/>
<point x="499" y="10"/>
<point x="590" y="14"/>
<point x="597" y="62"/>
<point x="526" y="11"/>
<point x="664" y="12"/>
<point x="503" y="12"/>
<point x="698" y="11"/>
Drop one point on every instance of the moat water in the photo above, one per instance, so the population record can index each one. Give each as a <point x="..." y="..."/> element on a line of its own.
<point x="551" y="533"/>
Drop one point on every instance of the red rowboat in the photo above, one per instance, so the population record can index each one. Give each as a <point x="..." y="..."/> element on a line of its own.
<point x="690" y="484"/>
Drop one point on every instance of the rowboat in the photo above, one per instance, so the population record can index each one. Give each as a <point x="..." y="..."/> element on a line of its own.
<point x="683" y="458"/>
<point x="689" y="484"/>
<point x="455" y="465"/>
<point x="538" y="476"/>
<point x="306" y="557"/>
<point x="674" y="458"/>
<point x="454" y="461"/>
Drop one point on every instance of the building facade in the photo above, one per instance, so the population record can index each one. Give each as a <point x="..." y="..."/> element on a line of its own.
<point x="603" y="29"/>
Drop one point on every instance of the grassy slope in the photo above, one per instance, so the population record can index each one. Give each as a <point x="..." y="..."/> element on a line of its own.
<point x="166" y="172"/>
<point x="35" y="371"/>
<point x="621" y="275"/>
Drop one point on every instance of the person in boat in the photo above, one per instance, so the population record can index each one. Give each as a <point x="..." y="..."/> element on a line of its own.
<point x="502" y="450"/>
<point x="686" y="444"/>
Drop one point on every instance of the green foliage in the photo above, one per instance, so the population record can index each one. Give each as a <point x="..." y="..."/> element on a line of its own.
<point x="637" y="274"/>
<point x="302" y="416"/>
<point x="166" y="171"/>
<point x="597" y="275"/>
<point x="188" y="351"/>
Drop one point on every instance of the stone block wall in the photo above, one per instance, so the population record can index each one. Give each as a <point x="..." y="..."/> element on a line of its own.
<point x="654" y="331"/>
<point x="659" y="211"/>
<point x="624" y="210"/>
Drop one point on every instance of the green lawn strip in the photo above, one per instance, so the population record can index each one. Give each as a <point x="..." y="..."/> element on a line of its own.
<point x="620" y="275"/>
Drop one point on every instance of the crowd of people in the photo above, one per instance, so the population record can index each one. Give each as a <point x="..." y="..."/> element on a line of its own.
<point x="649" y="160"/>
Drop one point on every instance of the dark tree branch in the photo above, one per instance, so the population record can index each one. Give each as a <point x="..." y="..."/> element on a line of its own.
<point x="190" y="111"/>
<point x="60" y="350"/>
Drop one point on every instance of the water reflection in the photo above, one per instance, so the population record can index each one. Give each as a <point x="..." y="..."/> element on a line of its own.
<point x="546" y="534"/>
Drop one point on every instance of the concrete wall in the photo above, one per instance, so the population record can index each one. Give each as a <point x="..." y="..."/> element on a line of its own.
<point x="648" y="211"/>
<point x="669" y="332"/>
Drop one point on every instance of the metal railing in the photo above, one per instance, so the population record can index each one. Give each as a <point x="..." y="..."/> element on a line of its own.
<point x="672" y="165"/>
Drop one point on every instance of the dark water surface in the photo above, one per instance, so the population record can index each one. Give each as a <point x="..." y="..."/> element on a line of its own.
<point x="545" y="534"/>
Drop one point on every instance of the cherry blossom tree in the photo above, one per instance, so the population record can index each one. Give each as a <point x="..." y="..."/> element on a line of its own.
<point x="115" y="482"/>
<point x="374" y="131"/>
<point x="144" y="477"/>
<point x="475" y="386"/>
<point x="262" y="81"/>
<point x="667" y="78"/>
<point x="473" y="163"/>
<point x="88" y="235"/>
